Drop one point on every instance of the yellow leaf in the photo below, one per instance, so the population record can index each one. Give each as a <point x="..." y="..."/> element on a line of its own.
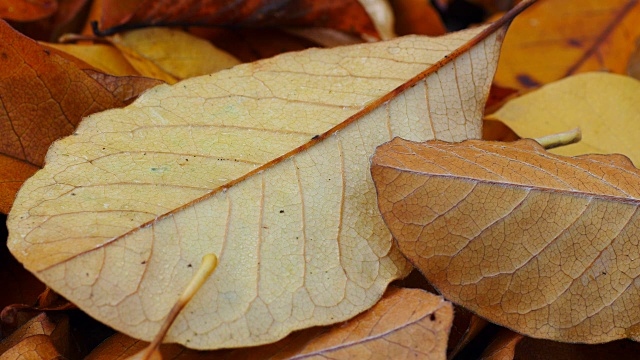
<point x="105" y="58"/>
<point x="605" y="106"/>
<point x="266" y="166"/>
<point x="171" y="55"/>
<point x="559" y="38"/>
<point x="543" y="244"/>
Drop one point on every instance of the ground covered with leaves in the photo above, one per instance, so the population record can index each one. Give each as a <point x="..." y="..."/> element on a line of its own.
<point x="368" y="179"/>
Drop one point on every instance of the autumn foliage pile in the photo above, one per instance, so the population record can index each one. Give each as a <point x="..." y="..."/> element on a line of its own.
<point x="353" y="171"/>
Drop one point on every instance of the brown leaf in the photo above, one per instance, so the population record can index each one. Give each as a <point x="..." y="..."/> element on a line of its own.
<point x="55" y="327"/>
<point x="43" y="96"/>
<point x="264" y="165"/>
<point x="66" y="19"/>
<point x="27" y="10"/>
<point x="503" y="347"/>
<point x="36" y="347"/>
<point x="558" y="38"/>
<point x="345" y="15"/>
<point x="527" y="239"/>
<point x="417" y="17"/>
<point x="405" y="324"/>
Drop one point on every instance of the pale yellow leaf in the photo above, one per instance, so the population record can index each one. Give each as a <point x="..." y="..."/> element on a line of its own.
<point x="265" y="165"/>
<point x="605" y="106"/>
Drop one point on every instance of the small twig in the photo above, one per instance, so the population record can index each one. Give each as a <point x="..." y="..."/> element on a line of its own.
<point x="561" y="139"/>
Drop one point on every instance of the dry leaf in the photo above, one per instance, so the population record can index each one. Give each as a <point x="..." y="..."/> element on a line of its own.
<point x="542" y="244"/>
<point x="559" y="38"/>
<point x="265" y="165"/>
<point x="55" y="327"/>
<point x="503" y="346"/>
<point x="171" y="55"/>
<point x="344" y="15"/>
<point x="405" y="323"/>
<point x="606" y="107"/>
<point x="417" y="17"/>
<point x="27" y="10"/>
<point x="36" y="347"/>
<point x="42" y="97"/>
<point x="105" y="58"/>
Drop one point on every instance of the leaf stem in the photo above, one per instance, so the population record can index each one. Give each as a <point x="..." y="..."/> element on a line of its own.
<point x="209" y="264"/>
<point x="561" y="139"/>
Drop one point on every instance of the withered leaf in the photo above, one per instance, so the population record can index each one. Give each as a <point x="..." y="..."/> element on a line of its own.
<point x="540" y="243"/>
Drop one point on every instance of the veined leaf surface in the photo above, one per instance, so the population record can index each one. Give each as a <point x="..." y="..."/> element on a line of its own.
<point x="265" y="165"/>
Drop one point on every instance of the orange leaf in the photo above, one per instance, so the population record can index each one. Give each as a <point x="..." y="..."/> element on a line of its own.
<point x="406" y="323"/>
<point x="417" y="17"/>
<point x="527" y="239"/>
<point x="558" y="38"/>
<point x="27" y="10"/>
<point x="344" y="15"/>
<point x="503" y="347"/>
<point x="43" y="96"/>
<point x="36" y="347"/>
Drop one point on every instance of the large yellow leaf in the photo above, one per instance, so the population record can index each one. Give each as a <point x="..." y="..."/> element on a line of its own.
<point x="543" y="244"/>
<point x="605" y="106"/>
<point x="265" y="165"/>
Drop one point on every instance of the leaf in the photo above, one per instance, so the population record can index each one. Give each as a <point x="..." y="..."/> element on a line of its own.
<point x="344" y="15"/>
<point x="42" y="97"/>
<point x="405" y="323"/>
<point x="556" y="39"/>
<point x="417" y="17"/>
<point x="503" y="346"/>
<point x="105" y="58"/>
<point x="264" y="165"/>
<point x="171" y="55"/>
<point x="35" y="347"/>
<point x="604" y="106"/>
<point x="542" y="244"/>
<point x="27" y="10"/>
<point x="55" y="327"/>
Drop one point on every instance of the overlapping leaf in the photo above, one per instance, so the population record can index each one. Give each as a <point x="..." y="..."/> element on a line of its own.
<point x="543" y="244"/>
<point x="43" y="96"/>
<point x="265" y="165"/>
<point x="405" y="323"/>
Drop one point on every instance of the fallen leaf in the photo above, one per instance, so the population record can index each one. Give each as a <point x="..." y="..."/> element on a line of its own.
<point x="503" y="347"/>
<point x="264" y="165"/>
<point x="67" y="18"/>
<point x="105" y="58"/>
<point x="345" y="15"/>
<point x="558" y="38"/>
<point x="405" y="323"/>
<point x="27" y="10"/>
<point x="524" y="238"/>
<point x="36" y="347"/>
<point x="55" y="327"/>
<point x="42" y="97"/>
<point x="605" y="107"/>
<point x="171" y="55"/>
<point x="417" y="17"/>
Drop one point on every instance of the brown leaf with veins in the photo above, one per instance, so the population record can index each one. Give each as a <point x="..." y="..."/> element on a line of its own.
<point x="43" y="96"/>
<point x="345" y="15"/>
<point x="405" y="323"/>
<point x="266" y="166"/>
<point x="35" y="347"/>
<point x="543" y="244"/>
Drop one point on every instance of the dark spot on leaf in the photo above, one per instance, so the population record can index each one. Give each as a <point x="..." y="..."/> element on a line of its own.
<point x="86" y="274"/>
<point x="433" y="317"/>
<point x="527" y="81"/>
<point x="4" y="55"/>
<point x="281" y="211"/>
<point x="73" y="194"/>
<point x="143" y="262"/>
<point x="315" y="137"/>
<point x="604" y="273"/>
<point x="47" y="52"/>
<point x="574" y="42"/>
<point x="189" y="265"/>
